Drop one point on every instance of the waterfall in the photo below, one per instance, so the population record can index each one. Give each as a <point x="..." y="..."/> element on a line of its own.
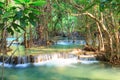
<point x="57" y="59"/>
<point x="87" y="59"/>
<point x="70" y="42"/>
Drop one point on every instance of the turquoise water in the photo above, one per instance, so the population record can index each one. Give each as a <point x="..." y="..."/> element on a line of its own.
<point x="62" y="69"/>
<point x="75" y="71"/>
<point x="61" y="45"/>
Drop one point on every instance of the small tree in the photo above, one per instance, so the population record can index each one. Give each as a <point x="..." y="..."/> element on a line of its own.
<point x="16" y="15"/>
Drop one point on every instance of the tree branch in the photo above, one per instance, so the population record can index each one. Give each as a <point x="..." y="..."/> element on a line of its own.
<point x="94" y="18"/>
<point x="88" y="14"/>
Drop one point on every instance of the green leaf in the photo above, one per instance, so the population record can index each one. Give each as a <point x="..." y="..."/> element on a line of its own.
<point x="24" y="21"/>
<point x="102" y="7"/>
<point x="1" y="12"/>
<point x="9" y="13"/>
<point x="35" y="11"/>
<point x="22" y="28"/>
<point x="15" y="26"/>
<point x="33" y="22"/>
<point x="19" y="1"/>
<point x="18" y="15"/>
<point x="82" y="1"/>
<point x="32" y="16"/>
<point x="1" y="4"/>
<point x="27" y="1"/>
<point x="1" y="25"/>
<point x="10" y="30"/>
<point x="38" y="3"/>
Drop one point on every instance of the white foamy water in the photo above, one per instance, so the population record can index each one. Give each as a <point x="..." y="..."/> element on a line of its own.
<point x="22" y="65"/>
<point x="6" y="65"/>
<point x="56" y="60"/>
<point x="87" y="59"/>
<point x="70" y="42"/>
<point x="88" y="62"/>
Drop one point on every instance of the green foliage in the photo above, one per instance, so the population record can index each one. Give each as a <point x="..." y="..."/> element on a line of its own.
<point x="110" y="4"/>
<point x="89" y="6"/>
<point x="1" y="7"/>
<point x="20" y="14"/>
<point x="82" y="1"/>
<point x="1" y="4"/>
<point x="38" y="3"/>
<point x="17" y="16"/>
<point x="28" y="3"/>
<point x="21" y="1"/>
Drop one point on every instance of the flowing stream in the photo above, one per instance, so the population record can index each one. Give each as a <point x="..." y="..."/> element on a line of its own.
<point x="61" y="67"/>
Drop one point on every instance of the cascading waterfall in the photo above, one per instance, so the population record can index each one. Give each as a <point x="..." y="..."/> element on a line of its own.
<point x="50" y="59"/>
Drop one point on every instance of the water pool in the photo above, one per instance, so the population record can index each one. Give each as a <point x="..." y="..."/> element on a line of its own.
<point x="73" y="71"/>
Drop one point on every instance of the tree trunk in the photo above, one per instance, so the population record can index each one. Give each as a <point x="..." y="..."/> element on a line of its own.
<point x="31" y="37"/>
<point x="108" y="36"/>
<point x="101" y="41"/>
<point x="25" y="39"/>
<point x="3" y="49"/>
<point x="4" y="42"/>
<point x="116" y="32"/>
<point x="117" y="42"/>
<point x="88" y="35"/>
